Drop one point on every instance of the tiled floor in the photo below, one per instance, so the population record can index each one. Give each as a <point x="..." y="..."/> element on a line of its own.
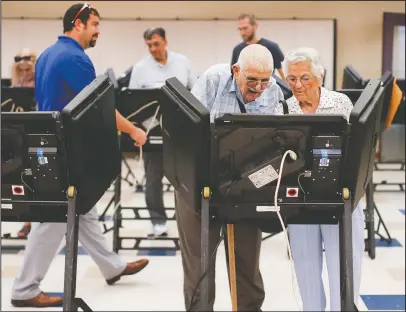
<point x="159" y="286"/>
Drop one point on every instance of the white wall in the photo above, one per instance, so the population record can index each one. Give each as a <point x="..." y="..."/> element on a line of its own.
<point x="359" y="23"/>
<point x="206" y="43"/>
<point x="398" y="63"/>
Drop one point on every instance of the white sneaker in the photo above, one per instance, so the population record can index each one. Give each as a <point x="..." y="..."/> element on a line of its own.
<point x="158" y="230"/>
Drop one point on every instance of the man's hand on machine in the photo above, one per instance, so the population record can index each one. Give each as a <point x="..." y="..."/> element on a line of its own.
<point x="139" y="136"/>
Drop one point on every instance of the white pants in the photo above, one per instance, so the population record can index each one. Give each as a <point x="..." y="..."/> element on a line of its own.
<point x="307" y="242"/>
<point x="43" y="243"/>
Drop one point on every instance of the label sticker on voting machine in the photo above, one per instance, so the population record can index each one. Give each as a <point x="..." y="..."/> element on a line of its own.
<point x="150" y="123"/>
<point x="6" y="206"/>
<point x="268" y="208"/>
<point x="263" y="176"/>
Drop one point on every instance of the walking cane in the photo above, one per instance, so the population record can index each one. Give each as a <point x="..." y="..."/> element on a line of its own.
<point x="231" y="257"/>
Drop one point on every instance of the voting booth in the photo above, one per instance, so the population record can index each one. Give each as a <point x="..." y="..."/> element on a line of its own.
<point x="274" y="170"/>
<point x="56" y="166"/>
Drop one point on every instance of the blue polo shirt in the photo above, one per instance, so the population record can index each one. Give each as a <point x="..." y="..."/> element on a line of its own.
<point x="61" y="72"/>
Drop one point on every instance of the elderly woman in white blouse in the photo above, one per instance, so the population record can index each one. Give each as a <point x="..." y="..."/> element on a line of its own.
<point x="304" y="73"/>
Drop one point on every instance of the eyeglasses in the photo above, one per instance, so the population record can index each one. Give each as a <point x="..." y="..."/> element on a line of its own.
<point x="305" y="80"/>
<point x="21" y="58"/>
<point x="86" y="5"/>
<point x="252" y="82"/>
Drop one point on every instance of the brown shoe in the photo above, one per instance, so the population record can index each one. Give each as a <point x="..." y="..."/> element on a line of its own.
<point x="43" y="300"/>
<point x="132" y="268"/>
<point x="25" y="230"/>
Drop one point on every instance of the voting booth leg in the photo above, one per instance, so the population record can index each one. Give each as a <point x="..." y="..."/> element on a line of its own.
<point x="117" y="214"/>
<point x="205" y="251"/>
<point x="369" y="221"/>
<point x="129" y="173"/>
<point x="371" y="204"/>
<point x="70" y="303"/>
<point x="346" y="256"/>
<point x="117" y="204"/>
<point x="116" y="198"/>
<point x="387" y="239"/>
<point x="370" y="211"/>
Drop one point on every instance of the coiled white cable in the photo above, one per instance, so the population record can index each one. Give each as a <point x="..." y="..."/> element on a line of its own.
<point x="148" y="130"/>
<point x="141" y="109"/>
<point x="6" y="102"/>
<point x="139" y="162"/>
<point x="277" y="209"/>
<point x="17" y="109"/>
<point x="22" y="179"/>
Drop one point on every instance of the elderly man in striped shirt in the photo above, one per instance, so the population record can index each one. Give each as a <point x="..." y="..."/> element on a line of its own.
<point x="247" y="88"/>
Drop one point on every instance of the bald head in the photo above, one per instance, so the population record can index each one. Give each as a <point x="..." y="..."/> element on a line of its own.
<point x="253" y="71"/>
<point x="257" y="56"/>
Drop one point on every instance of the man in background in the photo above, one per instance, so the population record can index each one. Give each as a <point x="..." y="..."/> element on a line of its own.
<point x="151" y="73"/>
<point x="247" y="25"/>
<point x="62" y="71"/>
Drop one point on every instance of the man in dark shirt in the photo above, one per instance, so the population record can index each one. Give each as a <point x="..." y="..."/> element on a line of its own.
<point x="62" y="71"/>
<point x="247" y="25"/>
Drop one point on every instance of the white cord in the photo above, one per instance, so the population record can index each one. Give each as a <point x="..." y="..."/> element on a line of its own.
<point x="9" y="101"/>
<point x="139" y="162"/>
<point x="141" y="109"/>
<point x="17" y="109"/>
<point x="293" y="156"/>
<point x="5" y="102"/>
<point x="149" y="129"/>
<point x="300" y="185"/>
<point x="22" y="180"/>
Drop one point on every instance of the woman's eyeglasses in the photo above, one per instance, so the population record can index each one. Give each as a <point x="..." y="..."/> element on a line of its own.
<point x="305" y="80"/>
<point x="22" y="58"/>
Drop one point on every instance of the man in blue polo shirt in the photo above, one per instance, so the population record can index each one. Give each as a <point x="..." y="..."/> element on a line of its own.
<point x="62" y="71"/>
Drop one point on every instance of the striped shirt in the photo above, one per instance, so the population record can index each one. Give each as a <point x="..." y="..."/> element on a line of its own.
<point x="218" y="91"/>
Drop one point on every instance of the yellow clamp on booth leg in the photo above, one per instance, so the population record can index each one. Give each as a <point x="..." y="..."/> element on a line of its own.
<point x="206" y="192"/>
<point x="346" y="193"/>
<point x="71" y="191"/>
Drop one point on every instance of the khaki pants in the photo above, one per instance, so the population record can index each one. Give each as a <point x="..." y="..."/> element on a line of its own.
<point x="248" y="237"/>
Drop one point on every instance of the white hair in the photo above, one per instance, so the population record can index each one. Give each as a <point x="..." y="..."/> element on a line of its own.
<point x="257" y="56"/>
<point x="304" y="55"/>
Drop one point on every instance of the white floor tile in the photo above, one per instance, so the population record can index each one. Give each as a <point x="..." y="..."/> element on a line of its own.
<point x="160" y="286"/>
